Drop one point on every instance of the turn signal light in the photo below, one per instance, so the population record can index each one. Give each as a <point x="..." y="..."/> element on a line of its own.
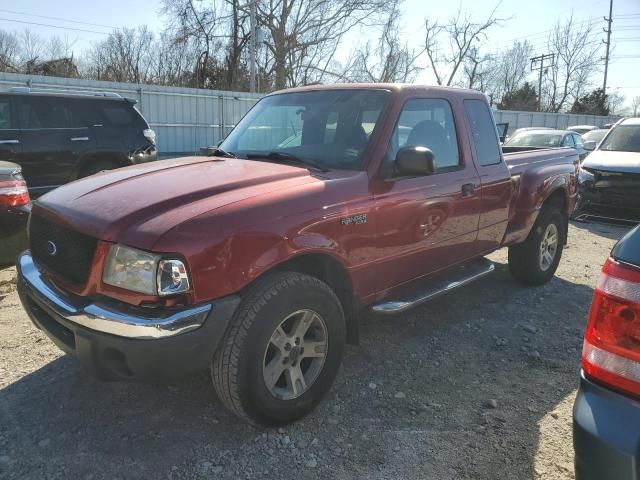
<point x="611" y="352"/>
<point x="14" y="193"/>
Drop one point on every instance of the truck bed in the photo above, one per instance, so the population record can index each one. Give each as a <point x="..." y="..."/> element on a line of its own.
<point x="519" y="159"/>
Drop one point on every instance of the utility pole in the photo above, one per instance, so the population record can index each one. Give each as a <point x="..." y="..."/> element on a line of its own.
<point x="608" y="43"/>
<point x="253" y="46"/>
<point x="542" y="64"/>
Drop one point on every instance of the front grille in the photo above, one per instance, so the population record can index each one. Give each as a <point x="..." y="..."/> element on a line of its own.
<point x="67" y="253"/>
<point x="618" y="189"/>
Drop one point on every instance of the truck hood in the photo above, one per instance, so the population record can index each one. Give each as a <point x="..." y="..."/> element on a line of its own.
<point x="138" y="204"/>
<point x="624" y="162"/>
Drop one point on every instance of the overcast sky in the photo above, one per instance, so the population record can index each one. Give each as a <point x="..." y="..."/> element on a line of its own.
<point x="529" y="20"/>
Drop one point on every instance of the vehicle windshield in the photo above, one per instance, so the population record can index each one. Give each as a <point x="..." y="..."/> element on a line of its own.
<point x="528" y="139"/>
<point x="327" y="128"/>
<point x="623" y="138"/>
<point x="594" y="135"/>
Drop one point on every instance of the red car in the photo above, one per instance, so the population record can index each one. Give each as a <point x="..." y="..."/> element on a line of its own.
<point x="15" y="206"/>
<point x="323" y="201"/>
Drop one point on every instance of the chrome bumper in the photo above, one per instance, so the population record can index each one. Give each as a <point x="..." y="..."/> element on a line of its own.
<point x="121" y="320"/>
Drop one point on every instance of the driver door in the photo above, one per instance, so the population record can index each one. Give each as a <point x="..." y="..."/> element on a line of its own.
<point x="426" y="223"/>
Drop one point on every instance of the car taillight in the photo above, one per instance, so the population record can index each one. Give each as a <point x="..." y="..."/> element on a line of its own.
<point x="611" y="352"/>
<point x="14" y="193"/>
<point x="149" y="135"/>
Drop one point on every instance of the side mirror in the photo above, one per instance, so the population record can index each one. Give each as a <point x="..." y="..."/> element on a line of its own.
<point x="590" y="145"/>
<point x="415" y="161"/>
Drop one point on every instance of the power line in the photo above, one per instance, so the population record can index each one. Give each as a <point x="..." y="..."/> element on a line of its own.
<point x="56" y="18"/>
<point x="53" y="26"/>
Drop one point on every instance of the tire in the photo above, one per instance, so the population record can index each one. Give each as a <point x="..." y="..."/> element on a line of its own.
<point x="248" y="352"/>
<point x="525" y="259"/>
<point x="96" y="167"/>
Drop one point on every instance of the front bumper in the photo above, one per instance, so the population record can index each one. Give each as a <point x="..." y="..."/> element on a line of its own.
<point x="606" y="434"/>
<point x="114" y="340"/>
<point x="608" y="196"/>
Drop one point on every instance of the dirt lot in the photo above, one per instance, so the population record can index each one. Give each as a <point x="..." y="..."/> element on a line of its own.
<point x="477" y="385"/>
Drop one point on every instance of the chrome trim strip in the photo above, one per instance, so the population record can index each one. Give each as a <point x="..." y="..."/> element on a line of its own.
<point x="399" y="306"/>
<point x="9" y="142"/>
<point x="105" y="318"/>
<point x="79" y="139"/>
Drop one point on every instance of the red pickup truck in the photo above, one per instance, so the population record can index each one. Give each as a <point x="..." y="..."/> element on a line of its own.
<point x="257" y="261"/>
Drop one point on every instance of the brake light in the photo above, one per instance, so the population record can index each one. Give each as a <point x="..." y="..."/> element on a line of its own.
<point x="150" y="135"/>
<point x="611" y="352"/>
<point x="14" y="193"/>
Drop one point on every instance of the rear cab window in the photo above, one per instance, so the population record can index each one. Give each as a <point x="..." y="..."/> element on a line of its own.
<point x="484" y="133"/>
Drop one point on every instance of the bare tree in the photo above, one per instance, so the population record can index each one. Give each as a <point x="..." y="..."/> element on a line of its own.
<point x="32" y="46"/>
<point x="462" y="35"/>
<point x="506" y="71"/>
<point x="303" y="35"/>
<point x="9" y="52"/>
<point x="390" y="60"/>
<point x="615" y="102"/>
<point x="576" y="60"/>
<point x="635" y="105"/>
<point x="125" y="56"/>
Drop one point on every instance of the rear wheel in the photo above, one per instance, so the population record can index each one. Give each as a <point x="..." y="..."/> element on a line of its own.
<point x="534" y="261"/>
<point x="282" y="351"/>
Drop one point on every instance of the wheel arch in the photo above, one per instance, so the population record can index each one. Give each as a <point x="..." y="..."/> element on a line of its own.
<point x="331" y="271"/>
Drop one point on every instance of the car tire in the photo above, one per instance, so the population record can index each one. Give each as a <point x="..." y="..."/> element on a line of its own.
<point x="97" y="167"/>
<point x="261" y="342"/>
<point x="534" y="261"/>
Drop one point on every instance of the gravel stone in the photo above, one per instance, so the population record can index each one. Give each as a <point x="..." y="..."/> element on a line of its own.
<point x="492" y="403"/>
<point x="400" y="395"/>
<point x="438" y="431"/>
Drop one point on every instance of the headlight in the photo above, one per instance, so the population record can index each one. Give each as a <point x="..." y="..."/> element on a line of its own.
<point x="144" y="272"/>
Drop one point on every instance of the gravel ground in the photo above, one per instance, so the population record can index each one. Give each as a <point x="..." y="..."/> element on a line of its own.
<point x="475" y="385"/>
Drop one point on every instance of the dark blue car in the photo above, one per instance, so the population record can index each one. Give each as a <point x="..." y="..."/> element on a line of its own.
<point x="606" y="415"/>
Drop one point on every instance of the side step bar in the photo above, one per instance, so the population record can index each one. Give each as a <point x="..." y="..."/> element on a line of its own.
<point x="620" y="222"/>
<point x="457" y="278"/>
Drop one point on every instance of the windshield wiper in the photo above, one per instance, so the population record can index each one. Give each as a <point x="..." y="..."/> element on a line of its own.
<point x="287" y="158"/>
<point x="218" y="152"/>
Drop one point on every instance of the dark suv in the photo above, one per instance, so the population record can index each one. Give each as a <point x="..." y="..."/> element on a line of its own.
<point x="58" y="136"/>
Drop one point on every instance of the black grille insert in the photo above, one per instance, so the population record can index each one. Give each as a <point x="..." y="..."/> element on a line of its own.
<point x="67" y="253"/>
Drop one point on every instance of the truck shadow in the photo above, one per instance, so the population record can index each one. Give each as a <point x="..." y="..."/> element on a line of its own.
<point x="413" y="401"/>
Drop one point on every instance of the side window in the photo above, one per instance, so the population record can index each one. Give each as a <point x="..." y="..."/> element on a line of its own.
<point x="44" y="112"/>
<point x="427" y="122"/>
<point x="5" y="113"/>
<point x="483" y="131"/>
<point x="578" y="140"/>
<point x="568" y="141"/>
<point x="117" y="114"/>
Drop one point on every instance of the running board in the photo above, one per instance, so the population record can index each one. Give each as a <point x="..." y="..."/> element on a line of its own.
<point x="458" y="277"/>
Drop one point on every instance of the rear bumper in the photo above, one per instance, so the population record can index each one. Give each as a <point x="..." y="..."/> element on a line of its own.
<point x="606" y="434"/>
<point x="119" y="341"/>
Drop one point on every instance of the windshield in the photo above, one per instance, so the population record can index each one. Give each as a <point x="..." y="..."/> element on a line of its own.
<point x="527" y="139"/>
<point x="330" y="128"/>
<point x="594" y="135"/>
<point x="623" y="138"/>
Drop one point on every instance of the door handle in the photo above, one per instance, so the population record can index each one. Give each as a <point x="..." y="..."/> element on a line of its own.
<point x="79" y="139"/>
<point x="468" y="189"/>
<point x="9" y="142"/>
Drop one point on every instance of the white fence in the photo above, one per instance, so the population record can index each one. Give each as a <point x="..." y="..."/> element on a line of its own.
<point x="186" y="119"/>
<point x="553" y="120"/>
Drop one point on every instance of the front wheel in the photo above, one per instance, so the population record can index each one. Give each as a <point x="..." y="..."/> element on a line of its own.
<point x="534" y="261"/>
<point x="282" y="351"/>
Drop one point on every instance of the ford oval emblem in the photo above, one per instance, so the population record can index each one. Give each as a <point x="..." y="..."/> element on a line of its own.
<point x="52" y="248"/>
